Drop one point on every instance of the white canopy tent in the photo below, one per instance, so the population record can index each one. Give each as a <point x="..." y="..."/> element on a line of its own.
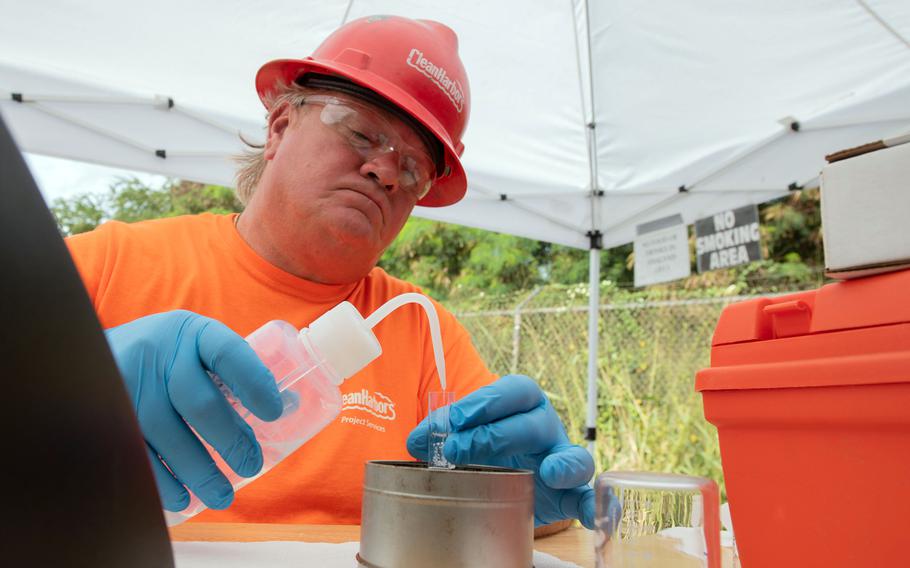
<point x="587" y="119"/>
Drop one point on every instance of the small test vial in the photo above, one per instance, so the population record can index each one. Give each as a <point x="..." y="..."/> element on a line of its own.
<point x="439" y="428"/>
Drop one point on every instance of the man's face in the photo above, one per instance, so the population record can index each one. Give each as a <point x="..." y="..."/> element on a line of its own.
<point x="328" y="203"/>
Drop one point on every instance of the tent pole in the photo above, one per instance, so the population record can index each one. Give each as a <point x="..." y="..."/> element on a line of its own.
<point x="593" y="336"/>
<point x="594" y="234"/>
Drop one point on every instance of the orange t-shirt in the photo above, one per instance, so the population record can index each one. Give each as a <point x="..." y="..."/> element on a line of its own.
<point x="201" y="263"/>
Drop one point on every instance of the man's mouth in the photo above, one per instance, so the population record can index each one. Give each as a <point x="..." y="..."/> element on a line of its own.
<point x="369" y="198"/>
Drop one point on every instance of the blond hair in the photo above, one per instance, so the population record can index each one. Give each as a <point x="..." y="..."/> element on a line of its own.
<point x="252" y="161"/>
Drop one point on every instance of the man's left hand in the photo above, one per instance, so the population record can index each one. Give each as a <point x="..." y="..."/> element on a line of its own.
<point x="511" y="423"/>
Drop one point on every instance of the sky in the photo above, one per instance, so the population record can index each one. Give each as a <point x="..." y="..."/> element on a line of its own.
<point x="57" y="177"/>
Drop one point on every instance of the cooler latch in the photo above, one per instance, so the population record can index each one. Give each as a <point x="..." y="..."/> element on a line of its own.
<point x="789" y="318"/>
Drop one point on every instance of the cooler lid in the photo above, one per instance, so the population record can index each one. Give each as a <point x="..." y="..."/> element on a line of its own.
<point x="864" y="302"/>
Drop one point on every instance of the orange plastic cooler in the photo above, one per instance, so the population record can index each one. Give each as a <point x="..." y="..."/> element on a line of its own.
<point x="810" y="394"/>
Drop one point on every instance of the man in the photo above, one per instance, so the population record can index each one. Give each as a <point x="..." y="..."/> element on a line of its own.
<point x="357" y="134"/>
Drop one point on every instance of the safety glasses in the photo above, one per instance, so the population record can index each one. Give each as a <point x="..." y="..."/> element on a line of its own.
<point x="371" y="135"/>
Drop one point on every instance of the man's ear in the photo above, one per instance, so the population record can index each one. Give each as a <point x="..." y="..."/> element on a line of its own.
<point x="279" y="119"/>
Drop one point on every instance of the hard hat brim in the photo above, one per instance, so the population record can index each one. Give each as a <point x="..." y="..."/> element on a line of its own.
<point x="449" y="188"/>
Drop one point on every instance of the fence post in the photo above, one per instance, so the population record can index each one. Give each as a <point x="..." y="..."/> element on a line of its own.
<point x="516" y="329"/>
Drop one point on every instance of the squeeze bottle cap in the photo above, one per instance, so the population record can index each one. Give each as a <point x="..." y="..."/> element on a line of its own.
<point x="344" y="339"/>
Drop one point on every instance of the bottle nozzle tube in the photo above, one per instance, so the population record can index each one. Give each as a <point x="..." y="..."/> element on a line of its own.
<point x="432" y="317"/>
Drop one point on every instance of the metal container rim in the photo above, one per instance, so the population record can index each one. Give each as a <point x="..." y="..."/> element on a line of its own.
<point x="460" y="470"/>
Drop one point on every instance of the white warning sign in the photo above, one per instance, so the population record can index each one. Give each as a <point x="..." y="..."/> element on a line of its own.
<point x="661" y="251"/>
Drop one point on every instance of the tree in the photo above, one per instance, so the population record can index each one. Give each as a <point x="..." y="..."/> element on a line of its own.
<point x="80" y="213"/>
<point x="792" y="226"/>
<point x="129" y="200"/>
<point x="450" y="260"/>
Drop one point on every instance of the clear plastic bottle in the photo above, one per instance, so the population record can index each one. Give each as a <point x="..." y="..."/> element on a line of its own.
<point x="309" y="366"/>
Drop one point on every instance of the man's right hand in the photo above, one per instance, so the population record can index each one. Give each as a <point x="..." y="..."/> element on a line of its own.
<point x="165" y="359"/>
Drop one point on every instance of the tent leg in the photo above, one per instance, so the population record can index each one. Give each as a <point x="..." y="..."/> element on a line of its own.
<point x="593" y="336"/>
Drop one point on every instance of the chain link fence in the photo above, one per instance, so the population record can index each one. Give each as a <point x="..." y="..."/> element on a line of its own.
<point x="651" y="346"/>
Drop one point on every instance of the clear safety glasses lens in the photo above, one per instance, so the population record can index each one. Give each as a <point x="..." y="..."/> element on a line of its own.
<point x="371" y="135"/>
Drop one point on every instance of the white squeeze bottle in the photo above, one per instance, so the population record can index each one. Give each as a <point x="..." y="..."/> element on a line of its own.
<point x="309" y="366"/>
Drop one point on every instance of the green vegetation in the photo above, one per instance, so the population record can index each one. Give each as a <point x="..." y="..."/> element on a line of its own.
<point x="129" y="200"/>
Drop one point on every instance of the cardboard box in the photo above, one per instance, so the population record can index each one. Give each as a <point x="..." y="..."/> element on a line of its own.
<point x="865" y="202"/>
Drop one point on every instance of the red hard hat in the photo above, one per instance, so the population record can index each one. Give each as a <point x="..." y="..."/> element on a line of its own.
<point x="413" y="64"/>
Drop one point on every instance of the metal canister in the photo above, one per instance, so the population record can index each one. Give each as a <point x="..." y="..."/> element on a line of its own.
<point x="415" y="517"/>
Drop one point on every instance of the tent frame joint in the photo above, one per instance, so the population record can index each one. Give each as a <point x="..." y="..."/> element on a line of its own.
<point x="596" y="239"/>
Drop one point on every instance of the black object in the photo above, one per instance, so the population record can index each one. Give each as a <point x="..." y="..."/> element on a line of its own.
<point x="76" y="483"/>
<point x="596" y="239"/>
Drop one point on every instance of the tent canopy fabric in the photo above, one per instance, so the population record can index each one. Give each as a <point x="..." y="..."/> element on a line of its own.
<point x="586" y="116"/>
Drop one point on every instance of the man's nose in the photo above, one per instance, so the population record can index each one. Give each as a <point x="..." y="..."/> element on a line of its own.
<point x="383" y="169"/>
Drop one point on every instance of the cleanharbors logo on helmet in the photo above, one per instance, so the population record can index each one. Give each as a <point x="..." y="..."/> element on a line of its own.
<point x="438" y="75"/>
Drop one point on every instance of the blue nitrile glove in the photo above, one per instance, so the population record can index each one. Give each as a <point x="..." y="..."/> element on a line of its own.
<point x="164" y="359"/>
<point x="511" y="423"/>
